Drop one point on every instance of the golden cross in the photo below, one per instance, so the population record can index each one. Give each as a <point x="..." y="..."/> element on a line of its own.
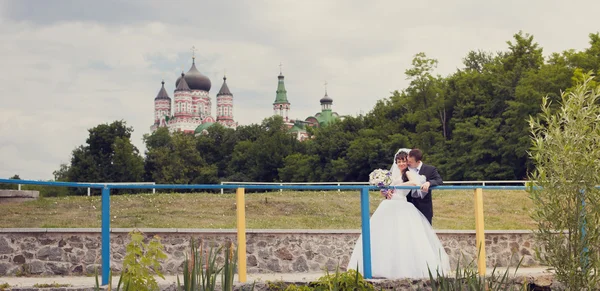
<point x="193" y="52"/>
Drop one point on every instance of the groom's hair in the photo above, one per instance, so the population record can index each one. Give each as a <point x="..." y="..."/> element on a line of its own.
<point x="416" y="153"/>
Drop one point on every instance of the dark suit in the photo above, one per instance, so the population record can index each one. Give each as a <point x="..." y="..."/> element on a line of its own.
<point x="425" y="204"/>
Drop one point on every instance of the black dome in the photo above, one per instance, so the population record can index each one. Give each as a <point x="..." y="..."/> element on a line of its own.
<point x="326" y="99"/>
<point x="195" y="79"/>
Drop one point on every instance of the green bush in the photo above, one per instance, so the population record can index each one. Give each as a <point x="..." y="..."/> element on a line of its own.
<point x="567" y="204"/>
<point x="140" y="262"/>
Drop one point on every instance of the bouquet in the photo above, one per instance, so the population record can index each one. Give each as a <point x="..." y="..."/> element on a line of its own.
<point x="380" y="178"/>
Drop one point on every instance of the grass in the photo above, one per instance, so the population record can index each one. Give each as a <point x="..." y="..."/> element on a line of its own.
<point x="274" y="210"/>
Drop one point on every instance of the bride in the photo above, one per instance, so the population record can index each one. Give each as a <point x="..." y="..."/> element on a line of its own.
<point x="403" y="243"/>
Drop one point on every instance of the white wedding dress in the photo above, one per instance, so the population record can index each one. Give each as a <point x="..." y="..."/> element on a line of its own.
<point x="403" y="243"/>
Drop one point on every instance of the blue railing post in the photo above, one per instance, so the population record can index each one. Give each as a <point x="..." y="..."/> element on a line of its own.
<point x="366" y="232"/>
<point x="105" y="234"/>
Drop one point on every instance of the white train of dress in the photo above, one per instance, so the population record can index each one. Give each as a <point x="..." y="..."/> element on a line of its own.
<point x="403" y="243"/>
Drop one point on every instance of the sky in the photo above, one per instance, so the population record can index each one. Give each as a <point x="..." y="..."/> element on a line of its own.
<point x="70" y="65"/>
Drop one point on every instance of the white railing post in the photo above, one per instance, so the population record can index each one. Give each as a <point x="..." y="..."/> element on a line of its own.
<point x="221" y="188"/>
<point x="339" y="189"/>
<point x="153" y="189"/>
<point x="88" y="191"/>
<point x="19" y="187"/>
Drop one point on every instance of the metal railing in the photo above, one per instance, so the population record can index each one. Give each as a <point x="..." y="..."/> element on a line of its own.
<point x="482" y="183"/>
<point x="112" y="183"/>
<point x="241" y="216"/>
<point x="122" y="183"/>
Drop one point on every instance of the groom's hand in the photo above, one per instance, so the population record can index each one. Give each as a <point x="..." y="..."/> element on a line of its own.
<point x="425" y="186"/>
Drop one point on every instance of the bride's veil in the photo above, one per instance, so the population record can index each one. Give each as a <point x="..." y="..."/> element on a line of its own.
<point x="395" y="171"/>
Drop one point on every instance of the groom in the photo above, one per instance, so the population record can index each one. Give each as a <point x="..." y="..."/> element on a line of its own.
<point x="422" y="198"/>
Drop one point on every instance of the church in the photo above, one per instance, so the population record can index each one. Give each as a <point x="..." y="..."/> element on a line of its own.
<point x="191" y="109"/>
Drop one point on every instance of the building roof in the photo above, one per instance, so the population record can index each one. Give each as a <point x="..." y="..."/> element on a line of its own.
<point x="162" y="94"/>
<point x="224" y="88"/>
<point x="281" y="97"/>
<point x="182" y="84"/>
<point x="327" y="117"/>
<point x="202" y="127"/>
<point x="326" y="99"/>
<point x="195" y="79"/>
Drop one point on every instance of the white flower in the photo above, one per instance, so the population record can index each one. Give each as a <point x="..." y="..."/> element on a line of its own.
<point x="380" y="178"/>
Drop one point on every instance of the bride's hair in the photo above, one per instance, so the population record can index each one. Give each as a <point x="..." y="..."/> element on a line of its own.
<point x="401" y="156"/>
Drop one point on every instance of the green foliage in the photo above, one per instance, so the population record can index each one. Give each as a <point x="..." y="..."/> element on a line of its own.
<point x="108" y="156"/>
<point x="349" y="280"/>
<point x="200" y="268"/>
<point x="11" y="186"/>
<point x="47" y="191"/>
<point x="174" y="159"/>
<point x="260" y="158"/>
<point x="141" y="259"/>
<point x="566" y="154"/>
<point x="467" y="278"/>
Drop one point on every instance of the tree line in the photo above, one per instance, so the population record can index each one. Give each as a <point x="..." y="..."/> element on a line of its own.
<point x="471" y="124"/>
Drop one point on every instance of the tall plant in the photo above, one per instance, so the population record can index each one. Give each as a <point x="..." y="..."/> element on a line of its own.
<point x="200" y="269"/>
<point x="566" y="155"/>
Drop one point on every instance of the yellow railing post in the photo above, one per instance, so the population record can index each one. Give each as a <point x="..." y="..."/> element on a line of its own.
<point x="479" y="231"/>
<point x="241" y="234"/>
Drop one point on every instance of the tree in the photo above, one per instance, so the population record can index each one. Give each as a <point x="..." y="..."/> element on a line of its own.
<point x="426" y="118"/>
<point x="108" y="156"/>
<point x="10" y="186"/>
<point x="174" y="159"/>
<point x="567" y="204"/>
<point x="216" y="147"/>
<point x="260" y="160"/>
<point x="62" y="173"/>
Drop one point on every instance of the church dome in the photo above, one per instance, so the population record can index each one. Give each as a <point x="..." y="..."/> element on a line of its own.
<point x="195" y="80"/>
<point x="326" y="99"/>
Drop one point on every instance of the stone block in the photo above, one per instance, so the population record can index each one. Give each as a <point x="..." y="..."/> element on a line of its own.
<point x="13" y="196"/>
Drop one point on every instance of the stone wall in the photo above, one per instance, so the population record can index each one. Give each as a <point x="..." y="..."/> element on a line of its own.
<point x="77" y="251"/>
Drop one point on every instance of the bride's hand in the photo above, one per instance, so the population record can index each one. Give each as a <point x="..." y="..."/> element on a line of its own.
<point x="386" y="193"/>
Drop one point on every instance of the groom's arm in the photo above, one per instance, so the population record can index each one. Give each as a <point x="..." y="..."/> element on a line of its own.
<point x="436" y="178"/>
<point x="433" y="179"/>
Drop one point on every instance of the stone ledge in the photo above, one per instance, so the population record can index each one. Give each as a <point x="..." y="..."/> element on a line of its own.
<point x="11" y="196"/>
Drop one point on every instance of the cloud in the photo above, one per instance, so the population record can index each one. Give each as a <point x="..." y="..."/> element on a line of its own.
<point x="71" y="65"/>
